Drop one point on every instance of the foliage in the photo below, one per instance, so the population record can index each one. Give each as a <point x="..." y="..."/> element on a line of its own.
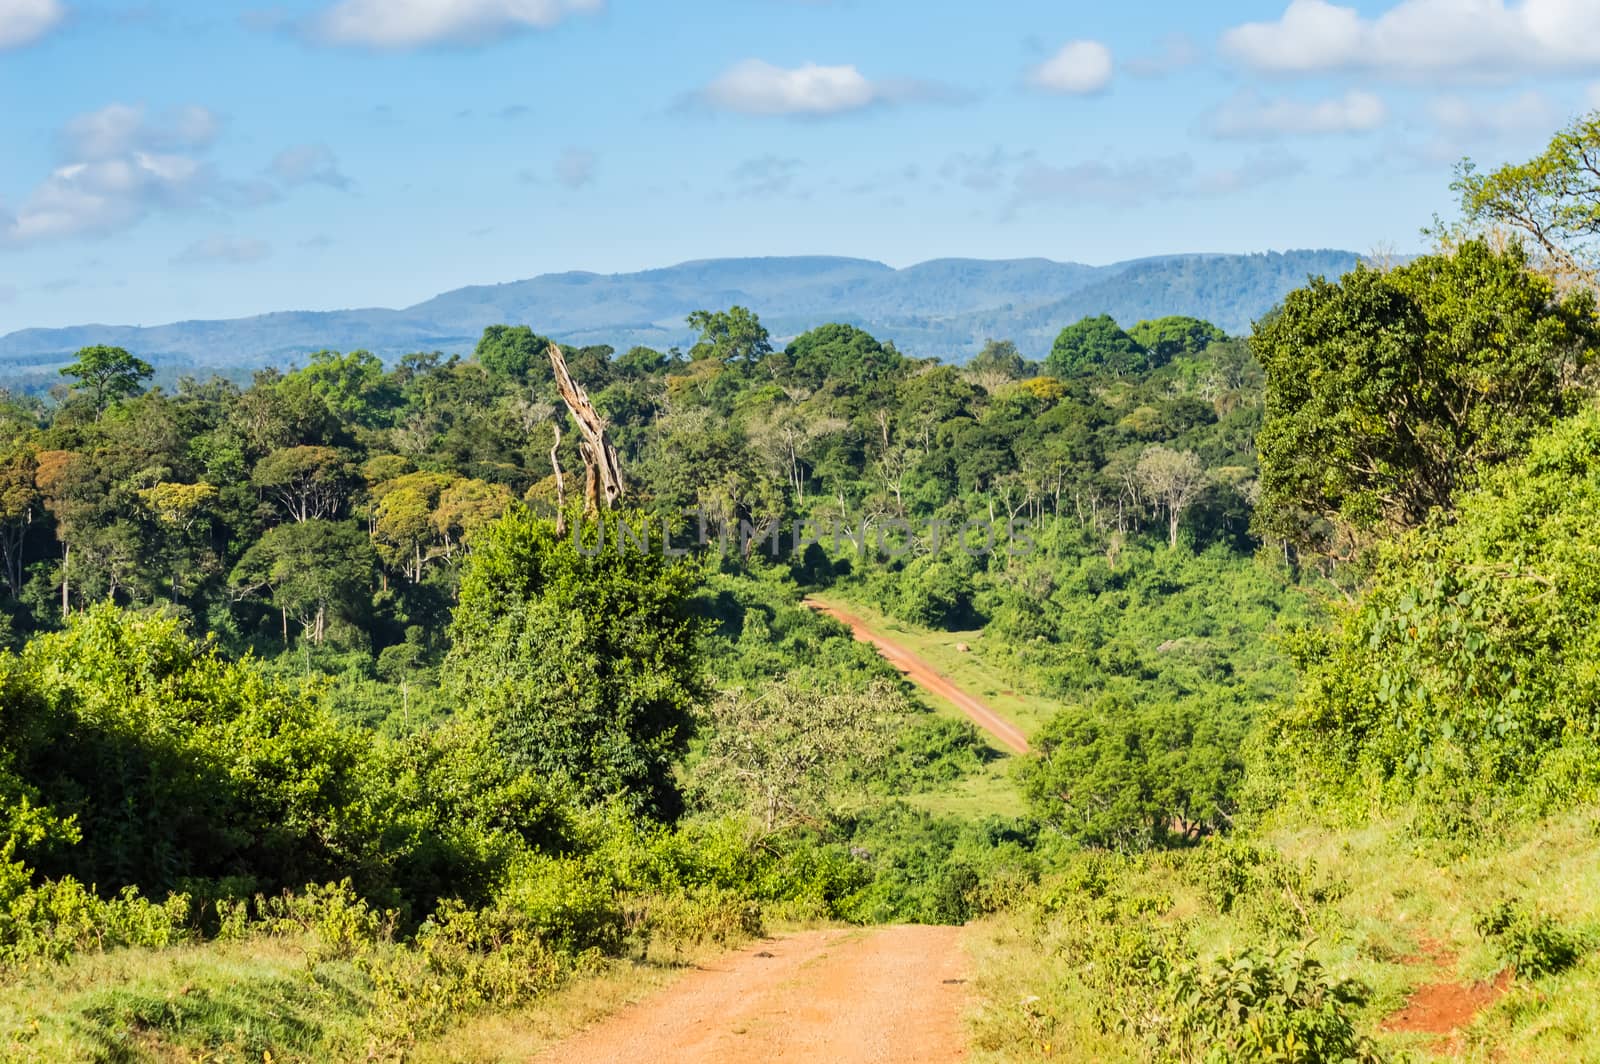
<point x="583" y="660"/>
<point x="1115" y="775"/>
<point x="1386" y="391"/>
<point x="1095" y="345"/>
<point x="1465" y="675"/>
<point x="782" y="754"/>
<point x="1531" y="942"/>
<point x="1262" y="1004"/>
<point x="1167" y="338"/>
<point x="107" y="374"/>
<point x="1550" y="198"/>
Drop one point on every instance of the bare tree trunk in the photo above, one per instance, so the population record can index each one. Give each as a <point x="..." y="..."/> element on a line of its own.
<point x="66" y="567"/>
<point x="602" y="471"/>
<point x="561" y="482"/>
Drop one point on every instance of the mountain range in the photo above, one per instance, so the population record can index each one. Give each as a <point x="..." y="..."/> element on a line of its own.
<point x="944" y="308"/>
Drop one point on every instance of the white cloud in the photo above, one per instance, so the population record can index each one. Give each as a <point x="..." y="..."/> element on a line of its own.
<point x="227" y="250"/>
<point x="755" y="87"/>
<point x="1079" y="67"/>
<point x="1530" y="110"/>
<point x="24" y="21"/>
<point x="575" y="168"/>
<point x="118" y="165"/>
<point x="1249" y="114"/>
<point x="119" y="128"/>
<point x="104" y="195"/>
<point x="420" y="23"/>
<point x="304" y="164"/>
<point x="1472" y="38"/>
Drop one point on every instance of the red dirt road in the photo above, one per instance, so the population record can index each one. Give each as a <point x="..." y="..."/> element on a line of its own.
<point x="890" y="995"/>
<point x="929" y="679"/>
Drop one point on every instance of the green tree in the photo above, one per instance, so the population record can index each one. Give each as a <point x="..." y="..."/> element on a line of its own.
<point x="1131" y="777"/>
<point x="781" y="755"/>
<point x="311" y="483"/>
<point x="1465" y="675"/>
<point x="515" y="352"/>
<point x="1385" y="391"/>
<point x="732" y="335"/>
<point x="1000" y="358"/>
<point x="1167" y="338"/>
<point x="586" y="665"/>
<point x="1553" y="198"/>
<point x="20" y="502"/>
<point x="1095" y="345"/>
<point x="106" y="374"/>
<point x="353" y="387"/>
<point x="314" y="571"/>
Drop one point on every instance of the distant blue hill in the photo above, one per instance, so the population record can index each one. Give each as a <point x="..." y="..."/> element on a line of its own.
<point x="945" y="308"/>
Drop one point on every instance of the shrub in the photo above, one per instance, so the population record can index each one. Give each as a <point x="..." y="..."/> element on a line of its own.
<point x="1262" y="1004"/>
<point x="1531" y="942"/>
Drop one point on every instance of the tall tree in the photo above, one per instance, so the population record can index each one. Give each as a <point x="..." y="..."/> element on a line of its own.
<point x="310" y="483"/>
<point x="314" y="571"/>
<point x="1554" y="198"/>
<point x="732" y="335"/>
<point x="1095" y="345"/>
<point x="20" y="501"/>
<point x="1386" y="390"/>
<point x="1174" y="479"/>
<point x="106" y="374"/>
<point x="1167" y="338"/>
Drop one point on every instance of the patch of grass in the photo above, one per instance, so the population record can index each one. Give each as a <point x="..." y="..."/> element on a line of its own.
<point x="1380" y="907"/>
<point x="988" y="791"/>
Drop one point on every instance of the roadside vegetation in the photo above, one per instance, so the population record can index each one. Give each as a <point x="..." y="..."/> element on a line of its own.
<point x="331" y="729"/>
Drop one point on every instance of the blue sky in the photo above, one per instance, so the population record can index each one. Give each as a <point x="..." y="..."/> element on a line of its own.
<point x="172" y="160"/>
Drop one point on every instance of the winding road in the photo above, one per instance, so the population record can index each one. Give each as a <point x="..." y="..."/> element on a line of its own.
<point x="925" y="676"/>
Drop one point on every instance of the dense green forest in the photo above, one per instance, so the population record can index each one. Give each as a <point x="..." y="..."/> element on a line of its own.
<point x="331" y="708"/>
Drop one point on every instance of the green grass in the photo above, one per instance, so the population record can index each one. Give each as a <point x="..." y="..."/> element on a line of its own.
<point x="989" y="791"/>
<point x="1402" y="919"/>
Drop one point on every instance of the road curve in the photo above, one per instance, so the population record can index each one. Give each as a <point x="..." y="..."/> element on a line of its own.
<point x="889" y="995"/>
<point x="925" y="676"/>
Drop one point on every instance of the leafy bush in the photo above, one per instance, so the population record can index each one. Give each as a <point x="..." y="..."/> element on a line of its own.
<point x="1531" y="942"/>
<point x="704" y="914"/>
<point x="585" y="662"/>
<point x="1270" y="1003"/>
<point x="1469" y="673"/>
<point x="1276" y="895"/>
<point x="57" y="919"/>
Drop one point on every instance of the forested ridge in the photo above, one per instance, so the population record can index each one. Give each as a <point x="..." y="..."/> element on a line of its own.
<point x="338" y="712"/>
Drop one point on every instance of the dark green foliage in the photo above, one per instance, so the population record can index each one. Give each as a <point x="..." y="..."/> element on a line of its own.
<point x="1095" y="345"/>
<point x="584" y="664"/>
<point x="733" y="335"/>
<point x="1131" y="777"/>
<point x="516" y="353"/>
<point x="175" y="764"/>
<point x="1388" y="390"/>
<point x="1164" y="339"/>
<point x="1273" y="1003"/>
